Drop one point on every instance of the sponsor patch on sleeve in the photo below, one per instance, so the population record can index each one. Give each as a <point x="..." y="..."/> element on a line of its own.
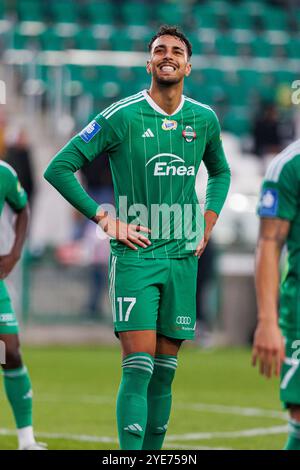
<point x="90" y="131"/>
<point x="268" y="204"/>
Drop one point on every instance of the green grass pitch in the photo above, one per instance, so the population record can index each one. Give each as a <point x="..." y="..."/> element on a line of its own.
<point x="219" y="401"/>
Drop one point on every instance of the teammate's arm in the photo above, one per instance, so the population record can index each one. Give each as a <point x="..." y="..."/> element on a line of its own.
<point x="16" y="198"/>
<point x="218" y="181"/>
<point x="268" y="346"/>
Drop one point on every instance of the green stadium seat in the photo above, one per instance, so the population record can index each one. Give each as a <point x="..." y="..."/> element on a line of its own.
<point x="260" y="47"/>
<point x="238" y="18"/>
<point x="100" y="12"/>
<point x="170" y="13"/>
<point x="85" y="39"/>
<point x="237" y="121"/>
<point x="20" y="40"/>
<point x="121" y="41"/>
<point x="51" y="41"/>
<point x="285" y="77"/>
<point x="135" y="13"/>
<point x="274" y="19"/>
<point x="64" y="11"/>
<point x="293" y="48"/>
<point x="205" y="17"/>
<point x="226" y="46"/>
<point x="30" y="10"/>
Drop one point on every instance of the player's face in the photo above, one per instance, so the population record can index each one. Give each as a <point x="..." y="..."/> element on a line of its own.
<point x="168" y="62"/>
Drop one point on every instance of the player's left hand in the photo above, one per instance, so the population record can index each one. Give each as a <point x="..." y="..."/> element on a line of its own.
<point x="7" y="263"/>
<point x="268" y="348"/>
<point x="210" y="220"/>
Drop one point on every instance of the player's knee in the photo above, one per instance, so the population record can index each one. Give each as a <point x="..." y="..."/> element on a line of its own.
<point x="13" y="359"/>
<point x="295" y="412"/>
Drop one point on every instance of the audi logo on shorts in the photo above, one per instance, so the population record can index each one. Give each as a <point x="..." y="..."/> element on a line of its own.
<point x="183" y="320"/>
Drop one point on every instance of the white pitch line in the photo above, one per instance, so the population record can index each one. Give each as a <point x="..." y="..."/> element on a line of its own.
<point x="103" y="439"/>
<point x="182" y="437"/>
<point x="228" y="434"/>
<point x="201" y="407"/>
<point x="234" y="410"/>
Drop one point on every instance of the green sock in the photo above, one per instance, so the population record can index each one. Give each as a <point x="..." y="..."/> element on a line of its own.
<point x="293" y="442"/>
<point x="132" y="400"/>
<point x="159" y="401"/>
<point x="18" y="390"/>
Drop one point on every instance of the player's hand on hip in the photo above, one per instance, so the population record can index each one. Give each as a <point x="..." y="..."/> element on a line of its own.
<point x="268" y="348"/>
<point x="7" y="263"/>
<point x="129" y="234"/>
<point x="210" y="218"/>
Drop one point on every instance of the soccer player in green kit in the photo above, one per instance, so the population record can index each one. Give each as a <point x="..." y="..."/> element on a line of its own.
<point x="277" y="344"/>
<point x="156" y="141"/>
<point x="16" y="378"/>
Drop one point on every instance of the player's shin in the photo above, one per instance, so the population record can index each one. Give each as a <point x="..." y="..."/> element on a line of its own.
<point x="159" y="401"/>
<point x="132" y="400"/>
<point x="18" y="390"/>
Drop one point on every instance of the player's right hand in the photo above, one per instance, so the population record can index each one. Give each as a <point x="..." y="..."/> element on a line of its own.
<point x="268" y="348"/>
<point x="129" y="234"/>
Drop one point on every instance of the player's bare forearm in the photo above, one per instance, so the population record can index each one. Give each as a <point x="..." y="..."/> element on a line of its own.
<point x="272" y="236"/>
<point x="268" y="345"/>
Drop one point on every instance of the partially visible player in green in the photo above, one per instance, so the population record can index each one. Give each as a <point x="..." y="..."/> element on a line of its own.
<point x="16" y="378"/>
<point x="277" y="344"/>
<point x="156" y="141"/>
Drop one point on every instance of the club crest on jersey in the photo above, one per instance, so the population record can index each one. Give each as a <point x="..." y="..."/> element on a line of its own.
<point x="189" y="134"/>
<point x="90" y="131"/>
<point x="169" y="125"/>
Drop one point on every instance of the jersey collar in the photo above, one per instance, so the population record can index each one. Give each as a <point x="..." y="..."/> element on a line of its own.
<point x="158" y="108"/>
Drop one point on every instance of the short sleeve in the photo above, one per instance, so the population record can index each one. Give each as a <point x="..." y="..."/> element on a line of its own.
<point x="15" y="194"/>
<point x="280" y="198"/>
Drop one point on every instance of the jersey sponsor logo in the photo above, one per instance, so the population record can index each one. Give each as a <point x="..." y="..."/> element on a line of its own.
<point x="166" y="169"/>
<point x="182" y="320"/>
<point x="268" y="203"/>
<point x="169" y="125"/>
<point x="189" y="134"/>
<point x="90" y="131"/>
<point x="148" y="133"/>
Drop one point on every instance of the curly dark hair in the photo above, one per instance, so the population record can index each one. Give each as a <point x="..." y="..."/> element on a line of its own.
<point x="172" y="31"/>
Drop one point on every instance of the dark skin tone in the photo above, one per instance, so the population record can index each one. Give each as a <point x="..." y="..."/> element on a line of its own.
<point x="7" y="263"/>
<point x="268" y="346"/>
<point x="168" y="65"/>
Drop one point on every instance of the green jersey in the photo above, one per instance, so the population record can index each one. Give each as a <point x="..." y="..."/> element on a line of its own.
<point x="154" y="160"/>
<point x="280" y="198"/>
<point x="11" y="190"/>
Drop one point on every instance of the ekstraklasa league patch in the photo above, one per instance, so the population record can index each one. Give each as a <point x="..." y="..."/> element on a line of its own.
<point x="90" y="131"/>
<point x="268" y="205"/>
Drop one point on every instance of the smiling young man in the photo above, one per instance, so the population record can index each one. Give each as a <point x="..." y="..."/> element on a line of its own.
<point x="156" y="140"/>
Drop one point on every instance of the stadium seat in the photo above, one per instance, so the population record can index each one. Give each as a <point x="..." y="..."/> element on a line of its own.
<point x="51" y="41"/>
<point x="135" y="13"/>
<point x="100" y="12"/>
<point x="205" y="17"/>
<point x="261" y="47"/>
<point x="121" y="40"/>
<point x="238" y="18"/>
<point x="226" y="46"/>
<point x="274" y="19"/>
<point x="64" y="11"/>
<point x="170" y="13"/>
<point x="85" y="39"/>
<point x="30" y="10"/>
<point x="293" y="48"/>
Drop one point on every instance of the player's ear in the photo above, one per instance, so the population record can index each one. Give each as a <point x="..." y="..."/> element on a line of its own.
<point x="188" y="69"/>
<point x="148" y="67"/>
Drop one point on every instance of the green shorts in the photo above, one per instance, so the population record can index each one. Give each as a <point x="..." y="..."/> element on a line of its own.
<point x="290" y="374"/>
<point x="8" y="321"/>
<point x="154" y="294"/>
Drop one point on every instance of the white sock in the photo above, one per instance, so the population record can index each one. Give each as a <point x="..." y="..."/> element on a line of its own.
<point x="25" y="437"/>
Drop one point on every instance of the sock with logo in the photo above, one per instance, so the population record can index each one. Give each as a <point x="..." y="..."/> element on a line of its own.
<point x="159" y="401"/>
<point x="18" y="391"/>
<point x="132" y="400"/>
<point x="293" y="442"/>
